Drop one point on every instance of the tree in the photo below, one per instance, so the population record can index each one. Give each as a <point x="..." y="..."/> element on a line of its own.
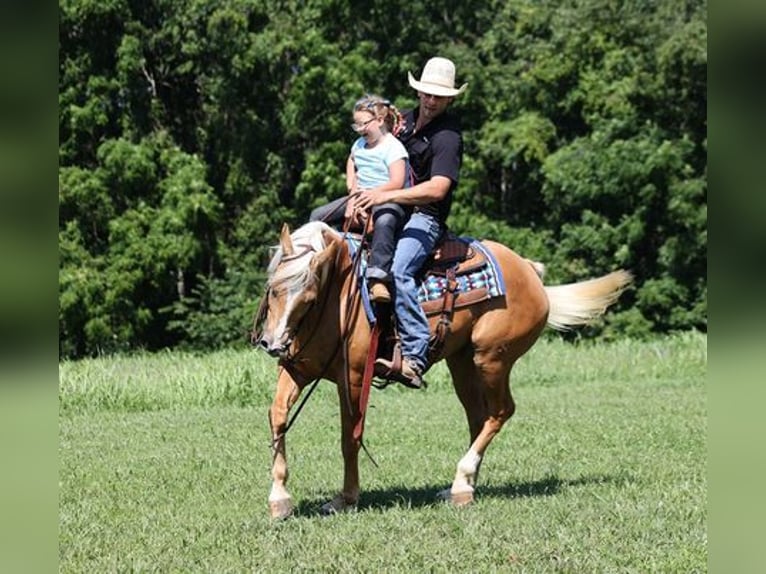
<point x="190" y="131"/>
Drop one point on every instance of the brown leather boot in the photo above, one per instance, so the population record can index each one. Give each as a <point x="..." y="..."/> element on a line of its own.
<point x="409" y="375"/>
<point x="379" y="292"/>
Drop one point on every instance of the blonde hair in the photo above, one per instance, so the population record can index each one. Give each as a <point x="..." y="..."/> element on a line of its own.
<point x="381" y="108"/>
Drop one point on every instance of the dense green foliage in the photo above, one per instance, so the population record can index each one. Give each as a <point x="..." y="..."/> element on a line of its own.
<point x="164" y="466"/>
<point x="189" y="131"/>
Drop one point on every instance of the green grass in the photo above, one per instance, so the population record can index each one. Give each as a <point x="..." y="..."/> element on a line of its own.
<point x="164" y="466"/>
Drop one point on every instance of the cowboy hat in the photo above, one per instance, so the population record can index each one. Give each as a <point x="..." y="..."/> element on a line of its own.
<point x="437" y="79"/>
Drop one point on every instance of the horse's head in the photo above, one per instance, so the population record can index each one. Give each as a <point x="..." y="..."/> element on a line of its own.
<point x="298" y="274"/>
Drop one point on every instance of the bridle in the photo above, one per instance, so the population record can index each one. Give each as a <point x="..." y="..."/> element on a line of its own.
<point x="291" y="360"/>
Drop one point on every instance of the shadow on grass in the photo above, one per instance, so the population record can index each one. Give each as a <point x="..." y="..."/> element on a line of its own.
<point x="403" y="496"/>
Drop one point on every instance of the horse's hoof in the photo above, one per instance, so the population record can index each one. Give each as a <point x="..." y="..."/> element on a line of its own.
<point x="281" y="509"/>
<point x="463" y="498"/>
<point x="336" y="505"/>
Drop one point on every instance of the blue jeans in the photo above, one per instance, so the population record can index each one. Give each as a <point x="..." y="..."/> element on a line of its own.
<point x="415" y="244"/>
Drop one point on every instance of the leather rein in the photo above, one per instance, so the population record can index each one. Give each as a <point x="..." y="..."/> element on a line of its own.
<point x="290" y="361"/>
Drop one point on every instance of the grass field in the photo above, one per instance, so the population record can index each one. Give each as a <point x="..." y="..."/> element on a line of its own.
<point x="164" y="467"/>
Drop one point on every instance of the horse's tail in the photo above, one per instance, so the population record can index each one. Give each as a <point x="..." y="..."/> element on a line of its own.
<point x="580" y="303"/>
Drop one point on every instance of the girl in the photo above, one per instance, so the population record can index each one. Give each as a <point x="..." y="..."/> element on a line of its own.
<point x="377" y="161"/>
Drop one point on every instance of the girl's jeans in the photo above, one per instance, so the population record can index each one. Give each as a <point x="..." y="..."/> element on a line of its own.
<point x="389" y="219"/>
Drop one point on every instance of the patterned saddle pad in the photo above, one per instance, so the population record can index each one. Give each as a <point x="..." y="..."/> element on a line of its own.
<point x="478" y="276"/>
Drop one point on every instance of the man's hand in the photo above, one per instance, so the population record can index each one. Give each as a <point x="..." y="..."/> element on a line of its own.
<point x="359" y="218"/>
<point x="350" y="207"/>
<point x="370" y="198"/>
<point x="354" y="214"/>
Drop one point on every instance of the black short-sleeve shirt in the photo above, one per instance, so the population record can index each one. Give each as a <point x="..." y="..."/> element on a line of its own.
<point x="437" y="149"/>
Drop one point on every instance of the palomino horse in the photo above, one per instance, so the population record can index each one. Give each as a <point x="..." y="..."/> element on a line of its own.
<point x="312" y="320"/>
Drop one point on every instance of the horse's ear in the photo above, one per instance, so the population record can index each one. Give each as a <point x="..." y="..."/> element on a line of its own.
<point x="327" y="255"/>
<point x="329" y="237"/>
<point x="286" y="241"/>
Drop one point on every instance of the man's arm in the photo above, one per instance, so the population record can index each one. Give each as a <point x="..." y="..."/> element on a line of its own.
<point x="428" y="191"/>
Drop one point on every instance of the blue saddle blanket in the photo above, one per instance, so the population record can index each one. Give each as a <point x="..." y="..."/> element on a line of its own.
<point x="487" y="277"/>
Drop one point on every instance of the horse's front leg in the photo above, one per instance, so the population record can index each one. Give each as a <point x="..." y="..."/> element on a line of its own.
<point x="348" y="396"/>
<point x="288" y="391"/>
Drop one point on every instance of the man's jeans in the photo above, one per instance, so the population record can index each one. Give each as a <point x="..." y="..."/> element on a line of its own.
<point x="415" y="244"/>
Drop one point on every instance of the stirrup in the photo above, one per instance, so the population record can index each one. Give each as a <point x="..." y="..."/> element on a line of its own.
<point x="393" y="372"/>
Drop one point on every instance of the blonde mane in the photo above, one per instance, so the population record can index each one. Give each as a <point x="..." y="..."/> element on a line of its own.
<point x="294" y="272"/>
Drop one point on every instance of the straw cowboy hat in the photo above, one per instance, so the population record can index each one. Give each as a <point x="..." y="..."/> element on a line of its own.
<point x="437" y="79"/>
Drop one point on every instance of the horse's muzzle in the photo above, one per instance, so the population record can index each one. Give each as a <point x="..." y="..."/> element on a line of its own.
<point x="278" y="350"/>
<point x="274" y="351"/>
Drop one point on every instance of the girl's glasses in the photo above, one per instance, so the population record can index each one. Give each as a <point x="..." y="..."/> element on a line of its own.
<point x="359" y="127"/>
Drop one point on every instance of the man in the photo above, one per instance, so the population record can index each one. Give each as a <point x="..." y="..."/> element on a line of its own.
<point x="434" y="142"/>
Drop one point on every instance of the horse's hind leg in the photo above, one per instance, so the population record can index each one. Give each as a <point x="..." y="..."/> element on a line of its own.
<point x="280" y="501"/>
<point x="482" y="384"/>
<point x="465" y="380"/>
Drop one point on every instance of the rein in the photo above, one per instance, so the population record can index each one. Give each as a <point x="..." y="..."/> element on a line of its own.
<point x="290" y="360"/>
<point x="371" y="352"/>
